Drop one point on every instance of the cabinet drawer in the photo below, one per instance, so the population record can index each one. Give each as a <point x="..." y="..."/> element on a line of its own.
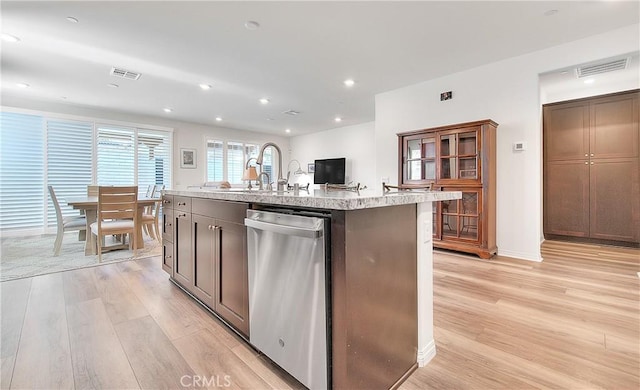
<point x="167" y="201"/>
<point x="182" y="203"/>
<point x="225" y="210"/>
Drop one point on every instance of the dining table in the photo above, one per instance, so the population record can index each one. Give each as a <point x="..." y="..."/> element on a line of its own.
<point x="89" y="206"/>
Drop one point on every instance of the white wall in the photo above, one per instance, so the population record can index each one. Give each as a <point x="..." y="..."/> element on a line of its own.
<point x="356" y="143"/>
<point x="186" y="135"/>
<point x="507" y="92"/>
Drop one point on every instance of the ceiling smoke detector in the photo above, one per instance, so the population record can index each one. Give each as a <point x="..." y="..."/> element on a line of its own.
<point x="125" y="74"/>
<point x="291" y="112"/>
<point x="605" y="67"/>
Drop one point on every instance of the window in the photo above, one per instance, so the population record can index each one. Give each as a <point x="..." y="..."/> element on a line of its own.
<point x="69" y="162"/>
<point x="37" y="151"/>
<point x="154" y="162"/>
<point x="21" y="171"/>
<point x="215" y="161"/>
<point x="116" y="156"/>
<point x="227" y="160"/>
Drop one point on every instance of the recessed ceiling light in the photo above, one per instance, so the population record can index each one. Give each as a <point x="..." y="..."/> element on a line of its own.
<point x="589" y="81"/>
<point x="206" y="87"/>
<point x="167" y="109"/>
<point x="338" y="119"/>
<point x="251" y="25"/>
<point x="349" y="82"/>
<point x="72" y="19"/>
<point x="287" y="130"/>
<point x="551" y="12"/>
<point x="218" y="119"/>
<point x="264" y="101"/>
<point x="112" y="85"/>
<point x="23" y="85"/>
<point x="10" y="38"/>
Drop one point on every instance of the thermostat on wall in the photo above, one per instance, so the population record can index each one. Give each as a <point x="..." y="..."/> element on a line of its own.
<point x="519" y="146"/>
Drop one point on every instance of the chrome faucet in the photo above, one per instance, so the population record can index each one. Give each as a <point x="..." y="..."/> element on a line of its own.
<point x="282" y="182"/>
<point x="269" y="188"/>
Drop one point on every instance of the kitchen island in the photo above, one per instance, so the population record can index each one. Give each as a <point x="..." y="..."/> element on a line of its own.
<point x="379" y="275"/>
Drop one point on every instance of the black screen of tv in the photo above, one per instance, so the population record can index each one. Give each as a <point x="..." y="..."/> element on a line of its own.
<point x="330" y="170"/>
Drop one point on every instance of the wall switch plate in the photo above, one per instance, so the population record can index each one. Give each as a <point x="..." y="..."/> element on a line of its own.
<point x="519" y="146"/>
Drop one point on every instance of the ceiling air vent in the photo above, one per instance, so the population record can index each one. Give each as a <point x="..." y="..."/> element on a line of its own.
<point x="125" y="74"/>
<point x="291" y="112"/>
<point x="590" y="70"/>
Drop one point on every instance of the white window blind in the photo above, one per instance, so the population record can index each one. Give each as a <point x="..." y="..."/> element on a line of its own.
<point x="21" y="171"/>
<point x="69" y="161"/>
<point x="154" y="159"/>
<point x="235" y="162"/>
<point x="215" y="160"/>
<point x="116" y="155"/>
<point x="227" y="160"/>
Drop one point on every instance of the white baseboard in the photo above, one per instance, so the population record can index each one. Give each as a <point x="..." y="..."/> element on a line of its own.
<point x="520" y="255"/>
<point x="427" y="353"/>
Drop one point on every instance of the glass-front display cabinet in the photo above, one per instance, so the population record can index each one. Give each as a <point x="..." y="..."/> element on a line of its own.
<point x="455" y="158"/>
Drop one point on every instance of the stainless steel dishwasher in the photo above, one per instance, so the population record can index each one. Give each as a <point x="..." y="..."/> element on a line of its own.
<point x="288" y="292"/>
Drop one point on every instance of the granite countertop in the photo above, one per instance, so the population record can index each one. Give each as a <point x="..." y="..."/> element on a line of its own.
<point x="320" y="198"/>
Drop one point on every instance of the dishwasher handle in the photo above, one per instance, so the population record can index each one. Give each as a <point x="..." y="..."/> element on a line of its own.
<point x="284" y="229"/>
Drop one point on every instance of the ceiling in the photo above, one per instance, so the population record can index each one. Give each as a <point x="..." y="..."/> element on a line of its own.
<point x="298" y="58"/>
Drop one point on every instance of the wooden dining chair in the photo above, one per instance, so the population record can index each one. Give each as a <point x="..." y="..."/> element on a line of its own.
<point x="117" y="214"/>
<point x="150" y="216"/>
<point x="65" y="224"/>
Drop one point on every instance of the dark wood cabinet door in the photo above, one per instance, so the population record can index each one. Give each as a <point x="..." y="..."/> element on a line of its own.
<point x="183" y="264"/>
<point x="204" y="249"/>
<point x="614" y="127"/>
<point x="566" y="132"/>
<point x="615" y="204"/>
<point x="232" y="295"/>
<point x="566" y="198"/>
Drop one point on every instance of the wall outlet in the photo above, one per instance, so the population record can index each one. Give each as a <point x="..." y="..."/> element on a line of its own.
<point x="519" y="146"/>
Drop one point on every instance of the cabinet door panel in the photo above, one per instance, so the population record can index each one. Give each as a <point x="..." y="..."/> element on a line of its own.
<point x="204" y="241"/>
<point x="167" y="257"/>
<point x="566" y="201"/>
<point x="614" y="128"/>
<point x="615" y="204"/>
<point x="232" y="299"/>
<point x="167" y="224"/>
<point x="183" y="265"/>
<point x="566" y="132"/>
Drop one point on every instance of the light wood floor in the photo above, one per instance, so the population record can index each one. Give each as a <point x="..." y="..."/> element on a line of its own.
<point x="569" y="322"/>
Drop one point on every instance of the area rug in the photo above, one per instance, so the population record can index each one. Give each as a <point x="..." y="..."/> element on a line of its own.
<point x="21" y="257"/>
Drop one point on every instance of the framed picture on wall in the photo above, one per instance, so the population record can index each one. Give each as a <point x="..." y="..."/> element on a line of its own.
<point x="311" y="168"/>
<point x="187" y="158"/>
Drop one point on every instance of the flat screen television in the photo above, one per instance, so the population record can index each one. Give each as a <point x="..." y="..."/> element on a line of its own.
<point x="330" y="171"/>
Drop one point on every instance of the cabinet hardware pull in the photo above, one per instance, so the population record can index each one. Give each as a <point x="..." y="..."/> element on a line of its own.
<point x="182" y="215"/>
<point x="586" y="154"/>
<point x="182" y="204"/>
<point x="211" y="227"/>
<point x="592" y="154"/>
<point x="586" y="163"/>
<point x="591" y="162"/>
<point x="165" y="202"/>
<point x="168" y="257"/>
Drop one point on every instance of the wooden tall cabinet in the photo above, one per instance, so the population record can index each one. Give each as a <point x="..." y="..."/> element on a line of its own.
<point x="459" y="157"/>
<point x="592" y="168"/>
